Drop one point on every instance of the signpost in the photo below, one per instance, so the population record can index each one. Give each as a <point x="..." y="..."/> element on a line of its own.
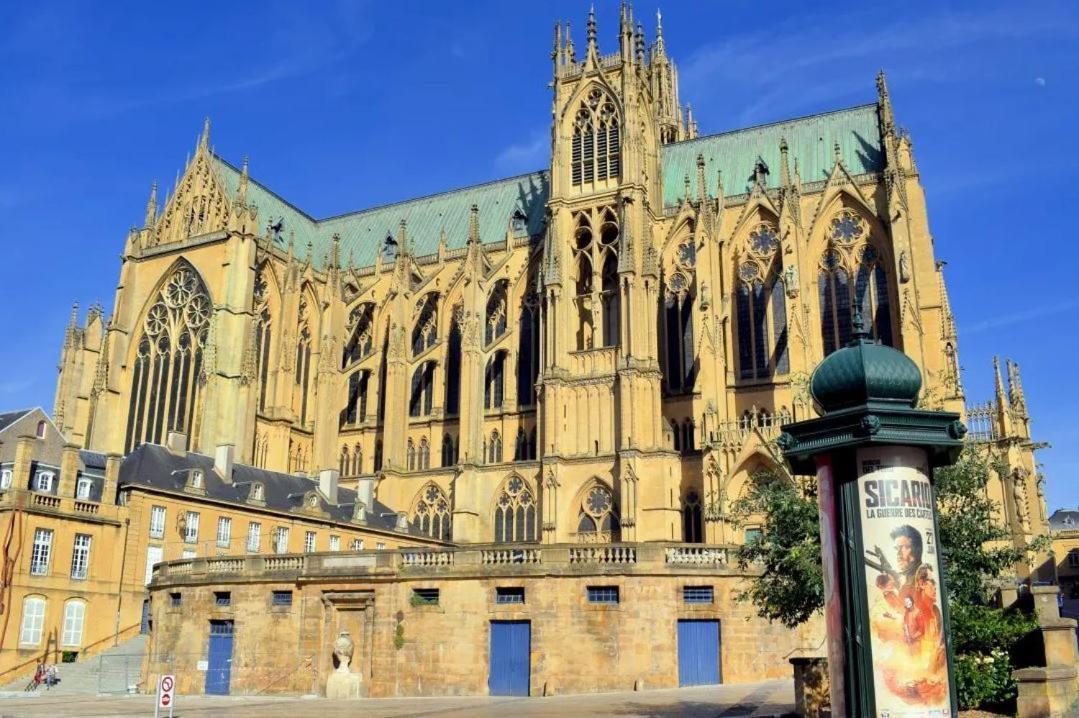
<point x="166" y="696"/>
<point x="873" y="452"/>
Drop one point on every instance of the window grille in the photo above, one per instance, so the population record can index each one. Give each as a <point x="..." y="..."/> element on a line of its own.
<point x="698" y="594"/>
<point x="603" y="594"/>
<point x="357" y="544"/>
<point x="83" y="488"/>
<point x="509" y="594"/>
<point x="80" y="556"/>
<point x="43" y="481"/>
<point x="282" y="598"/>
<point x="42" y="550"/>
<point x="335" y="543"/>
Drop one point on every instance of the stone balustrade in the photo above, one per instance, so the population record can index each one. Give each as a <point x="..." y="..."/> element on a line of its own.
<point x="499" y="559"/>
<point x="45" y="503"/>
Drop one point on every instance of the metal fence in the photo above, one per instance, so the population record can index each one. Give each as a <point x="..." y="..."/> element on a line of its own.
<point x="244" y="674"/>
<point x="119" y="674"/>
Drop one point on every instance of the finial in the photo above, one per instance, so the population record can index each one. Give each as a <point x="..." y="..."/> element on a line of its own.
<point x="335" y="251"/>
<point x="838" y="152"/>
<point x="241" y="193"/>
<point x="659" y="31"/>
<point x="592" y="30"/>
<point x="74" y="321"/>
<point x="351" y="260"/>
<point x="784" y="164"/>
<point x="884" y="105"/>
<point x="1015" y="384"/>
<point x="204" y="139"/>
<point x="556" y="52"/>
<point x="151" y="206"/>
<point x="474" y="224"/>
<point x="858" y="334"/>
<point x="700" y="177"/>
<point x="402" y="238"/>
<point x="639" y="41"/>
<point x="998" y="381"/>
<point x="309" y="248"/>
<point x="686" y="179"/>
<point x="571" y="54"/>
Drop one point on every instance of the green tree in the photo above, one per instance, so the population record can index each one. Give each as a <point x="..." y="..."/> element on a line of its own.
<point x="975" y="549"/>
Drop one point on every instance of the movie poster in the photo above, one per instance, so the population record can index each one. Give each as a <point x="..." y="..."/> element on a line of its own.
<point x="902" y="570"/>
<point x="833" y="601"/>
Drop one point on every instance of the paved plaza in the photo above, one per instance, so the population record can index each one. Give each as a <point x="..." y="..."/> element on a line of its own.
<point x="771" y="698"/>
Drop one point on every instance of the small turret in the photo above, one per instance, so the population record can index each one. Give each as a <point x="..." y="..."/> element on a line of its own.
<point x="592" y="52"/>
<point x="1015" y="387"/>
<point x="884" y="105"/>
<point x="241" y="193"/>
<point x="204" y="138"/>
<point x="701" y="194"/>
<point x="151" y="207"/>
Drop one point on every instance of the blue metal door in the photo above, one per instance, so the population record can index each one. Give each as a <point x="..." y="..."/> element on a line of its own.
<point x="698" y="653"/>
<point x="511" y="648"/>
<point x="219" y="669"/>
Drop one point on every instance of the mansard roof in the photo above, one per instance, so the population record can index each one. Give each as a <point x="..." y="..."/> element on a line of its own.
<point x="154" y="466"/>
<point x="811" y="141"/>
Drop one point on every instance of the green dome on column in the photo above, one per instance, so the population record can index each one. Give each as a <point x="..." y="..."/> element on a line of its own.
<point x="865" y="373"/>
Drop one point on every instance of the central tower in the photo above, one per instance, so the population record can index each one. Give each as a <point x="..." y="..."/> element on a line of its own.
<point x="601" y="369"/>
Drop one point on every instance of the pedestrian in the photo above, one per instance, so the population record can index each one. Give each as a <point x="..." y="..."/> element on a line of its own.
<point x="52" y="676"/>
<point x="39" y="675"/>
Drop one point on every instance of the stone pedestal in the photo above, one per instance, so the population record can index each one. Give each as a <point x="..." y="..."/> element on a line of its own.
<point x="811" y="687"/>
<point x="343" y="685"/>
<point x="1051" y="690"/>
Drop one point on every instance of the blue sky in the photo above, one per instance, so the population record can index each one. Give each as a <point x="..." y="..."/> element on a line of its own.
<point x="348" y="105"/>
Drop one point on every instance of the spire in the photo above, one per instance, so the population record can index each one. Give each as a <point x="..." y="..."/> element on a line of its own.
<point x="998" y="383"/>
<point x="204" y="138"/>
<point x="402" y="238"/>
<point x="241" y="193"/>
<point x="784" y="163"/>
<point x="639" y="43"/>
<point x="593" y="49"/>
<point x="335" y="251"/>
<point x="691" y="124"/>
<point x="701" y="194"/>
<point x="151" y="207"/>
<point x="884" y="105"/>
<point x="571" y="54"/>
<point x="1015" y="386"/>
<point x="659" y="33"/>
<point x="474" y="225"/>
<point x="73" y="322"/>
<point x="625" y="32"/>
<point x="556" y="52"/>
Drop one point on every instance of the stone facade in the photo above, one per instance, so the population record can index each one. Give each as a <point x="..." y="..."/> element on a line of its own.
<point x="576" y="646"/>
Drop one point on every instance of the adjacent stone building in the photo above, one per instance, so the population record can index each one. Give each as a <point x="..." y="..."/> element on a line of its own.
<point x="570" y="375"/>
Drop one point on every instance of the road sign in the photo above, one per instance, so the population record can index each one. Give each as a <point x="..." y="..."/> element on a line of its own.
<point x="166" y="694"/>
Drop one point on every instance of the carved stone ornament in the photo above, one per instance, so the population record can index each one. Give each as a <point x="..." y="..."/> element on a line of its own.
<point x="904" y="268"/>
<point x="343" y="649"/>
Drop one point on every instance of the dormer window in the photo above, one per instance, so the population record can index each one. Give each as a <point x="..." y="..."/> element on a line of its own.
<point x="43" y="481"/>
<point x="258" y="492"/>
<point x="5" y="479"/>
<point x="196" y="479"/>
<point x="83" y="488"/>
<point x="41" y="430"/>
<point x="518" y="221"/>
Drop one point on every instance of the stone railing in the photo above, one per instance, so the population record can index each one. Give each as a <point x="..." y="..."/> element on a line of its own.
<point x="53" y="504"/>
<point x="500" y="559"/>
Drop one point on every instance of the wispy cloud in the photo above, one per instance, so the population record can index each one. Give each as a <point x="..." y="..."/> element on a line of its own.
<point x="525" y="156"/>
<point x="1004" y="320"/>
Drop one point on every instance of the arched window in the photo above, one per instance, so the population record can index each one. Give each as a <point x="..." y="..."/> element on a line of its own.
<point x="74" y="620"/>
<point x="495" y="325"/>
<point x="597" y="520"/>
<point x="515" y="512"/>
<point x="357" y="459"/>
<point x="378" y="455"/>
<point x="592" y="254"/>
<point x="424" y="454"/>
<point x="263" y="336"/>
<point x="425" y="333"/>
<point x="356" y="406"/>
<point x="40" y="433"/>
<point x="692" y="525"/>
<point x="520" y="445"/>
<point x="494" y="448"/>
<point x="610" y="301"/>
<point x="360" y="325"/>
<point x="346" y="463"/>
<point x="494" y="381"/>
<point x="449" y="451"/>
<point x="302" y="375"/>
<point x="528" y="347"/>
<point x="165" y="373"/>
<point x="419" y="402"/>
<point x="33" y="621"/>
<point x="453" y="366"/>
<point x="410" y="453"/>
<point x="596" y="144"/>
<point x="431" y="512"/>
<point x="688" y="443"/>
<point x="852" y="255"/>
<point x="676" y="433"/>
<point x="762" y="334"/>
<point x="678" y="319"/>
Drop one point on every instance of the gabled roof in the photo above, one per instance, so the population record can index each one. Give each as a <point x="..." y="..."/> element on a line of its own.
<point x="811" y="141"/>
<point x="10" y="417"/>
<point x="153" y="466"/>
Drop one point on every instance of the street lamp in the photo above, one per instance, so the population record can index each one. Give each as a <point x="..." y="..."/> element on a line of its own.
<point x="873" y="452"/>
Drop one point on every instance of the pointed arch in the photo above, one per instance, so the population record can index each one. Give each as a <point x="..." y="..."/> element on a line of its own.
<point x="360" y="326"/>
<point x="760" y="302"/>
<point x="516" y="512"/>
<point x="307" y="332"/>
<point x="164" y="393"/>
<point x="266" y="305"/>
<point x="595" y="129"/>
<point x="431" y="512"/>
<point x="595" y="513"/>
<point x="425" y="330"/>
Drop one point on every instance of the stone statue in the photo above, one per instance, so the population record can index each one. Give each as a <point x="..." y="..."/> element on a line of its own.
<point x="343" y="683"/>
<point x="904" y="267"/>
<point x="342" y="651"/>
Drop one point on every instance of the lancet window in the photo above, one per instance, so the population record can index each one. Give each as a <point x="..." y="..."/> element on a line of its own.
<point x="679" y="294"/>
<point x="431" y="513"/>
<point x="494" y="381"/>
<point x="852" y="257"/>
<point x="263" y="334"/>
<point x="425" y="333"/>
<point x="453" y="366"/>
<point x="597" y="520"/>
<point x="515" y="512"/>
<point x="495" y="326"/>
<point x="449" y="450"/>
<point x="596" y="144"/>
<point x="420" y="396"/>
<point x="524" y="446"/>
<point x="597" y="293"/>
<point x="692" y="524"/>
<point x="356" y="404"/>
<point x="360" y="325"/>
<point x="494" y="448"/>
<point x="165" y="376"/>
<point x="528" y="348"/>
<point x="302" y="375"/>
<point x="761" y="308"/>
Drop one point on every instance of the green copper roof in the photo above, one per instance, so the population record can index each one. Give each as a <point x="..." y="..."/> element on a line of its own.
<point x="810" y="140"/>
<point x="865" y="373"/>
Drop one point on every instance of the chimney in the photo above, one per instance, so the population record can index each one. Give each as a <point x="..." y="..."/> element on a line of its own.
<point x="327" y="484"/>
<point x="69" y="469"/>
<point x="223" y="457"/>
<point x="112" y="478"/>
<point x="24" y="458"/>
<point x="365" y="491"/>
<point x="177" y="443"/>
<point x="402" y="522"/>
